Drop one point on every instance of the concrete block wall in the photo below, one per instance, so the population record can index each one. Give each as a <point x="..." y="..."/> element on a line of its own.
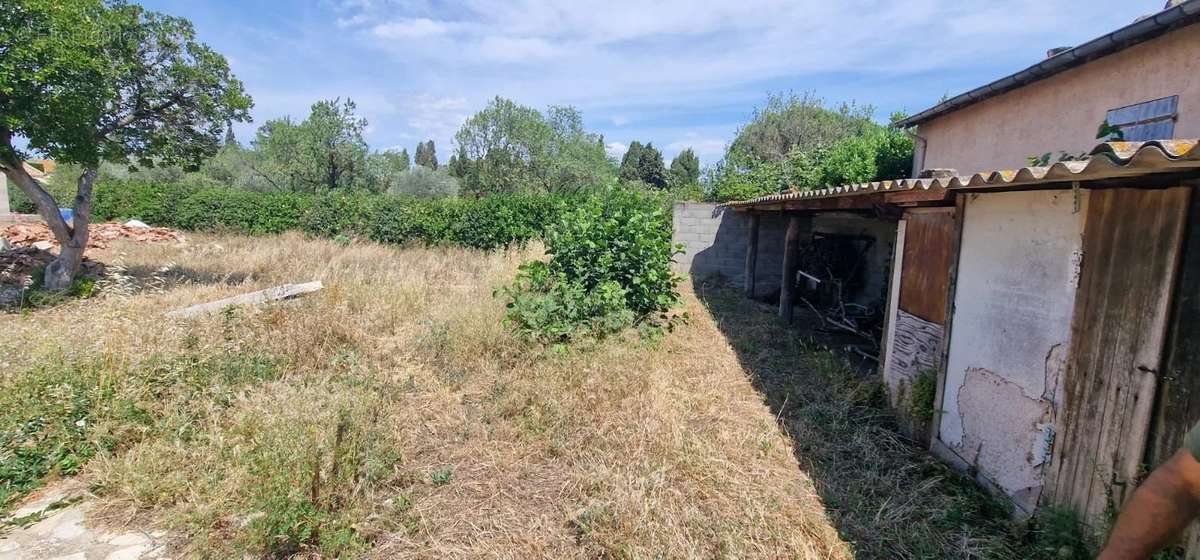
<point x="714" y="240"/>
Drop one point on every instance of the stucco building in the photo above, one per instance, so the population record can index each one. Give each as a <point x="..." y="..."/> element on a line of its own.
<point x="1144" y="77"/>
<point x="1052" y="306"/>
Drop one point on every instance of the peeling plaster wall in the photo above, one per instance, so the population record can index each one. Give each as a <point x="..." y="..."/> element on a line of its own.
<point x="1017" y="276"/>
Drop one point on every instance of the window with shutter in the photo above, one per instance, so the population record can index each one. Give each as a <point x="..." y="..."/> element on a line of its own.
<point x="1151" y="120"/>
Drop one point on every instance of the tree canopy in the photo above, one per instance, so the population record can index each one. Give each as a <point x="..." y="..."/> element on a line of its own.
<point x="643" y="163"/>
<point x="325" y="151"/>
<point x="426" y="155"/>
<point x="88" y="81"/>
<point x="630" y="161"/>
<point x="685" y="169"/>
<point x="508" y="147"/>
<point x="795" y="142"/>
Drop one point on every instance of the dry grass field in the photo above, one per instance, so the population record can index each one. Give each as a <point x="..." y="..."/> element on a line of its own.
<point x="390" y="415"/>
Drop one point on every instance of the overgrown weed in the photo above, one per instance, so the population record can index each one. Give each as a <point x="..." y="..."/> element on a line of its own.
<point x="392" y="415"/>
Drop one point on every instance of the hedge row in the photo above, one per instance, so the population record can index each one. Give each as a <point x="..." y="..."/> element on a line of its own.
<point x="485" y="223"/>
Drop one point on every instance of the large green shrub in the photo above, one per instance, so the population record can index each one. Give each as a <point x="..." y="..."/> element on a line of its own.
<point x="609" y="268"/>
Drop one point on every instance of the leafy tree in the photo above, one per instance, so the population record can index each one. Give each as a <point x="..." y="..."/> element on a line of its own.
<point x="505" y="141"/>
<point x="508" y="147"/>
<point x="89" y="81"/>
<point x="333" y="139"/>
<point x="609" y="268"/>
<point x="426" y="155"/>
<point x="789" y="123"/>
<point x="845" y="146"/>
<point x="459" y="165"/>
<point x="650" y="167"/>
<point x="630" y="163"/>
<point x="685" y="168"/>
<point x="326" y="151"/>
<point x="385" y="168"/>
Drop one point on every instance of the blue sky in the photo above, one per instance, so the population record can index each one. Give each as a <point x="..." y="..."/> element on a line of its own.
<point x="676" y="73"/>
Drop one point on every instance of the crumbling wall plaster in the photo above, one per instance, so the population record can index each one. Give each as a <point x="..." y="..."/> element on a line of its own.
<point x="1014" y="300"/>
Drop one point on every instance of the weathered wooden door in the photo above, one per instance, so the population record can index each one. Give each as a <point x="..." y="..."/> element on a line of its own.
<point x="917" y="319"/>
<point x="1177" y="405"/>
<point x="1130" y="256"/>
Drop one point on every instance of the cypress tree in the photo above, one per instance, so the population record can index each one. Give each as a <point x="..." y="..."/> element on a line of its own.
<point x="685" y="168"/>
<point x="630" y="162"/>
<point x="650" y="167"/>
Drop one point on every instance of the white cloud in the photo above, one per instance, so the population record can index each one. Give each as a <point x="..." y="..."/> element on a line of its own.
<point x="353" y="21"/>
<point x="615" y="149"/>
<point x="435" y="117"/>
<point x="409" y="28"/>
<point x="708" y="149"/>
<point x="680" y="73"/>
<point x="605" y="50"/>
<point x="518" y="49"/>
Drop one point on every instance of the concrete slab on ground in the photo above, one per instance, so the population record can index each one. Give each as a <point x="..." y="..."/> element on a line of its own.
<point x="61" y="531"/>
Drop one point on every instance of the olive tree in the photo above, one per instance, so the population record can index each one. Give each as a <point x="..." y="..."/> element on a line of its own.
<point x="92" y="81"/>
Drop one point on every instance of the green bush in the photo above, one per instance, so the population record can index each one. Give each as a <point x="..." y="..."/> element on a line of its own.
<point x="149" y="202"/>
<point x="480" y="223"/>
<point x="609" y="268"/>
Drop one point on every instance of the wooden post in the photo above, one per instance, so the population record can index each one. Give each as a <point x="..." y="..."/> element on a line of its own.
<point x="787" y="288"/>
<point x="751" y="254"/>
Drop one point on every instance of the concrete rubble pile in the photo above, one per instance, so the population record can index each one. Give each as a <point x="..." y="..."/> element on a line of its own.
<point x="100" y="235"/>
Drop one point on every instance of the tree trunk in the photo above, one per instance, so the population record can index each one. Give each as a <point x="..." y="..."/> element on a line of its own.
<point x="46" y="206"/>
<point x="61" y="272"/>
<point x="72" y="239"/>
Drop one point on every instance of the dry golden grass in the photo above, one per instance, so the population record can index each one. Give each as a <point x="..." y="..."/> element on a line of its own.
<point x="400" y="420"/>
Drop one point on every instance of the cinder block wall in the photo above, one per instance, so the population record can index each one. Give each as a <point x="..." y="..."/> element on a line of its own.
<point x="714" y="240"/>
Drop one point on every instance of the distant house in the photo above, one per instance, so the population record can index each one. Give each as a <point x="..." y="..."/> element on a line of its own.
<point x="1144" y="77"/>
<point x="1045" y="316"/>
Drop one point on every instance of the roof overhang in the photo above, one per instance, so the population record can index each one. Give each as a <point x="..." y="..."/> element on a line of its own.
<point x="1186" y="13"/>
<point x="1108" y="161"/>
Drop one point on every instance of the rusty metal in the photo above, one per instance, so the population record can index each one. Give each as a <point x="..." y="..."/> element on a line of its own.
<point x="930" y="244"/>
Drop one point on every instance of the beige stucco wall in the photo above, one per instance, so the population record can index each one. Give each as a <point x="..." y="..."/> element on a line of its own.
<point x="1015" y="295"/>
<point x="1064" y="111"/>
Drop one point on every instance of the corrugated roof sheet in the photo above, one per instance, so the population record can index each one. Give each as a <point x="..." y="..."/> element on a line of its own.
<point x="1109" y="160"/>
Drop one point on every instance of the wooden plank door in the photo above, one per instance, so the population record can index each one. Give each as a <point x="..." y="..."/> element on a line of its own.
<point x="918" y="314"/>
<point x="1177" y="405"/>
<point x="1131" y="244"/>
